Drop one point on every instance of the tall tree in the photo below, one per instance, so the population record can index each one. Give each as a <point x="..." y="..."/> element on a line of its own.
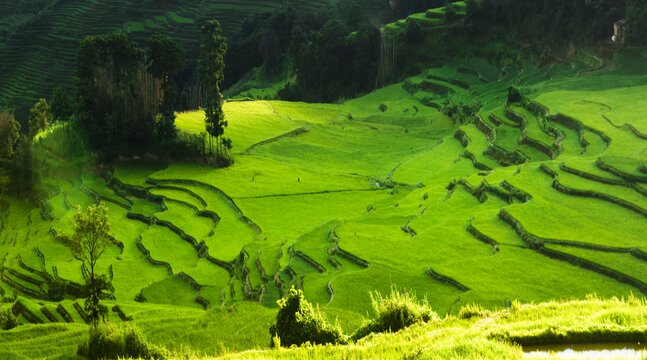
<point x="60" y="105"/>
<point x="23" y="177"/>
<point x="40" y="116"/>
<point x="211" y="70"/>
<point x="164" y="60"/>
<point x="9" y="134"/>
<point x="89" y="239"/>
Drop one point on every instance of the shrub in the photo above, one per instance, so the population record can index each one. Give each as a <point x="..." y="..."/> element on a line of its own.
<point x="450" y="13"/>
<point x="473" y="311"/>
<point x="8" y="320"/>
<point x="396" y="312"/>
<point x="107" y="341"/>
<point x="297" y="323"/>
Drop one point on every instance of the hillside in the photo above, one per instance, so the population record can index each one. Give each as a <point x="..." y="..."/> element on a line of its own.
<point x="38" y="43"/>
<point x="512" y="197"/>
<point x="525" y="203"/>
<point x="610" y="325"/>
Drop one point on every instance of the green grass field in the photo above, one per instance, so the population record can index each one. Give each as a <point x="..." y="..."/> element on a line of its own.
<point x="343" y="199"/>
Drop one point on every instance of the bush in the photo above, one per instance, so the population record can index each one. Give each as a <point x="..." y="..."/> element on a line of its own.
<point x="107" y="341"/>
<point x="297" y="323"/>
<point x="396" y="312"/>
<point x="473" y="311"/>
<point x="450" y="13"/>
<point x="8" y="320"/>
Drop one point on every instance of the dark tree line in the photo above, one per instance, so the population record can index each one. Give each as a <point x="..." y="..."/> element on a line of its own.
<point x="117" y="98"/>
<point x="550" y="20"/>
<point x="127" y="96"/>
<point x="335" y="63"/>
<point x="332" y="51"/>
<point x="637" y="20"/>
<point x="16" y="172"/>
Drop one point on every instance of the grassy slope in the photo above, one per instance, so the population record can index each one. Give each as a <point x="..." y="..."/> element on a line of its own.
<point x="482" y="338"/>
<point x="315" y="187"/>
<point x="495" y="335"/>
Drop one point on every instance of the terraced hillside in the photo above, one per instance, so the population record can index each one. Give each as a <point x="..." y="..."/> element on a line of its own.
<point x="540" y="199"/>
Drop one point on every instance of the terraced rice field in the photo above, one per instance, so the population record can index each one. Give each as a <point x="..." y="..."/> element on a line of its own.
<point x="538" y="200"/>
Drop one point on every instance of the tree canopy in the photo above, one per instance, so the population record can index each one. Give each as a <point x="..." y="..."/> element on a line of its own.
<point x="116" y="101"/>
<point x="89" y="239"/>
<point x="211" y="71"/>
<point x="60" y="105"/>
<point x="9" y="134"/>
<point x="164" y="59"/>
<point x="40" y="116"/>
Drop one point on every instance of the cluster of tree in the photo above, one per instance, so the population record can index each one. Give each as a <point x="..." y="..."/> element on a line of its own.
<point x="637" y="22"/>
<point x="16" y="172"/>
<point x="459" y="112"/>
<point x="118" y="99"/>
<point x="329" y="53"/>
<point x="334" y="63"/>
<point x="545" y="21"/>
<point x="127" y="96"/>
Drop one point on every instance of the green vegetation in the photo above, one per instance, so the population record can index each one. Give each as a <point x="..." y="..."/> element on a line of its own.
<point x="211" y="72"/>
<point x="297" y="323"/>
<point x="39" y="117"/>
<point x="89" y="240"/>
<point x="396" y="312"/>
<point x="7" y="320"/>
<point x="315" y="187"/>
<point x="480" y="185"/>
<point x="108" y="341"/>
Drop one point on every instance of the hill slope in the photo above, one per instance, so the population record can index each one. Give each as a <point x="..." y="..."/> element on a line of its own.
<point x="540" y="199"/>
<point x="476" y="334"/>
<point x="316" y="186"/>
<point x="39" y="42"/>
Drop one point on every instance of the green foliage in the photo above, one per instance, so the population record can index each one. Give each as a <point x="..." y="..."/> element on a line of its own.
<point x="9" y="134"/>
<point x="352" y="58"/>
<point x="107" y="341"/>
<point x="459" y="112"/>
<point x="636" y="21"/>
<point x="450" y="13"/>
<point x="60" y="105"/>
<point x="164" y="57"/>
<point x="113" y="107"/>
<point x="514" y="95"/>
<point x="582" y="20"/>
<point x="24" y="178"/>
<point x="40" y="116"/>
<point x="211" y="69"/>
<point x="397" y="311"/>
<point x="8" y="320"/>
<point x="414" y="32"/>
<point x="297" y="323"/>
<point x="470" y="311"/>
<point x="164" y="60"/>
<point x="89" y="239"/>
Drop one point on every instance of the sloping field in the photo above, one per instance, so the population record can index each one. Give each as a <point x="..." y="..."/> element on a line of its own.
<point x="542" y="199"/>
